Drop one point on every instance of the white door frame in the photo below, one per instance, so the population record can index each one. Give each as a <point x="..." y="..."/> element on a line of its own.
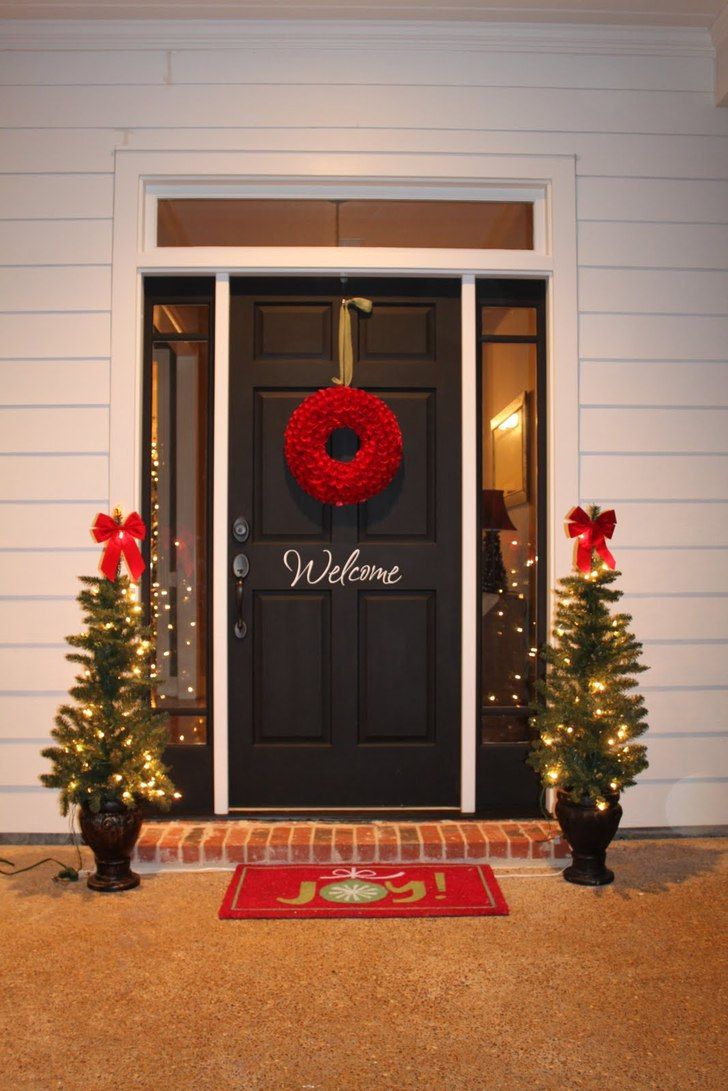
<point x="142" y="176"/>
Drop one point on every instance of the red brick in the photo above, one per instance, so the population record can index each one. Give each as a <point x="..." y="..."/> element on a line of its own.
<point x="411" y="846"/>
<point x="497" y="840"/>
<point x="561" y="848"/>
<point x="212" y="845"/>
<point x="432" y="843"/>
<point x="454" y="843"/>
<point x="278" y="846"/>
<point x="476" y="846"/>
<point x="169" y="844"/>
<point x="236" y="841"/>
<point x="520" y="848"/>
<point x="366" y="848"/>
<point x="387" y="843"/>
<point x="256" y="848"/>
<point x="191" y="845"/>
<point x="323" y="837"/>
<point x="146" y="848"/>
<point x="344" y="843"/>
<point x="301" y="844"/>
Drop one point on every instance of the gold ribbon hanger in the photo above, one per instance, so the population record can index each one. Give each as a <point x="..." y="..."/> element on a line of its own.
<point x="346" y="348"/>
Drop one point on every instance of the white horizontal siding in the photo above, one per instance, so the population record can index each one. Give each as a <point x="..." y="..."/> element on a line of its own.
<point x="50" y="525"/>
<point x="38" y="621"/>
<point x="45" y="196"/>
<point x="691" y="711"/>
<point x="31" y="810"/>
<point x="28" y="717"/>
<point x="53" y="477"/>
<point x="396" y="66"/>
<point x="649" y="245"/>
<point x="54" y="382"/>
<point x="41" y="151"/>
<point x="55" y="242"/>
<point x="511" y="109"/>
<point x="654" y="337"/>
<point x="648" y="430"/>
<point x="654" y="382"/>
<point x="654" y="199"/>
<point x="51" y="573"/>
<point x="692" y="756"/>
<point x="649" y="477"/>
<point x="682" y="571"/>
<point x="21" y="764"/>
<point x="72" y="334"/>
<point x="649" y="525"/>
<point x="653" y="291"/>
<point x="55" y="288"/>
<point x="679" y="617"/>
<point x="30" y="429"/>
<point x="651" y="157"/>
<point x="683" y="664"/>
<point x="39" y="669"/>
<point x="699" y="800"/>
<point x="103" y="66"/>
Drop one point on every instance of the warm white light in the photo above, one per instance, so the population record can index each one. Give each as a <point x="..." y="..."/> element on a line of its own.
<point x="509" y="422"/>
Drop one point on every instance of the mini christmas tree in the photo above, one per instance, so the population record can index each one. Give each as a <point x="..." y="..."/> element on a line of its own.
<point x="586" y="712"/>
<point x="110" y="740"/>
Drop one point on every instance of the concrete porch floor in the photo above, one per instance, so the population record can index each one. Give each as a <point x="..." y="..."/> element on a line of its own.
<point x="622" y="987"/>
<point x="189" y="844"/>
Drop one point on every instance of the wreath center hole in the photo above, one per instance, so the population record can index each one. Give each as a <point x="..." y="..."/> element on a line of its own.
<point x="343" y="444"/>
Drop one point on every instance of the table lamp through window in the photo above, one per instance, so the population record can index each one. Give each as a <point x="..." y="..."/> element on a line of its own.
<point x="493" y="519"/>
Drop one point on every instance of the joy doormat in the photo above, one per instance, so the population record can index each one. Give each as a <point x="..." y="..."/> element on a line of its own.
<point x="325" y="890"/>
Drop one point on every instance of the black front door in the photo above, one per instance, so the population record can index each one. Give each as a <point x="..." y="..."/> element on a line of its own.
<point x="345" y="688"/>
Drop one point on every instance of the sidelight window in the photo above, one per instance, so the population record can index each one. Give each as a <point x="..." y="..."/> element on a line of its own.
<point x="511" y="523"/>
<point x="177" y="503"/>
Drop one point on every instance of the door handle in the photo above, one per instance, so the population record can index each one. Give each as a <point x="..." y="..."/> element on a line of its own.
<point x="240" y="629"/>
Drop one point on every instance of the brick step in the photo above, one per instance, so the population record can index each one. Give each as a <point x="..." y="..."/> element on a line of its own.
<point x="224" y="843"/>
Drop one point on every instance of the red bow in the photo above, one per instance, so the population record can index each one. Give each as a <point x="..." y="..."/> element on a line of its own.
<point x="120" y="538"/>
<point x="591" y="534"/>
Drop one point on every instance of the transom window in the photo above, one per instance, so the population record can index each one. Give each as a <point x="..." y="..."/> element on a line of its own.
<point x="432" y="224"/>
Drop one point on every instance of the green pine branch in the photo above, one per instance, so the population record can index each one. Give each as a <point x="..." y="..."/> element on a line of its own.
<point x="110" y="741"/>
<point x="586" y="712"/>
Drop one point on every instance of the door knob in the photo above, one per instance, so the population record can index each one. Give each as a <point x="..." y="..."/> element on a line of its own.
<point x="241" y="566"/>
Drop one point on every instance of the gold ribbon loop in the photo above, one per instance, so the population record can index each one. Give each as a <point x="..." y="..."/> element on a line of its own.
<point x="346" y="348"/>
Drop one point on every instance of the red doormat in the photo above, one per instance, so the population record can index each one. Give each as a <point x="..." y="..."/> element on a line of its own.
<point x="400" y="890"/>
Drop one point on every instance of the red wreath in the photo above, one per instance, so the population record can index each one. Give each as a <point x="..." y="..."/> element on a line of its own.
<point x="373" y="466"/>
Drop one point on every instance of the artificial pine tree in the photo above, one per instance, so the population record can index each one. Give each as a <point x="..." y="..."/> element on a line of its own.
<point x="110" y="741"/>
<point x="586" y="712"/>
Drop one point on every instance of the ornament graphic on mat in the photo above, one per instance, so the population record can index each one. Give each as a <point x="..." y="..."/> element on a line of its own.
<point x="343" y="406"/>
<point x="353" y="891"/>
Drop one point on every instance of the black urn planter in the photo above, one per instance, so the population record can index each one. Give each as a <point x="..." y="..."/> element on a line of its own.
<point x="111" y="834"/>
<point x="588" y="831"/>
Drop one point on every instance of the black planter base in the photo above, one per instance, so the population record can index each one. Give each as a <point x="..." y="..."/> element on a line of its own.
<point x="111" y="834"/>
<point x="111" y="876"/>
<point x="588" y="871"/>
<point x="589" y="830"/>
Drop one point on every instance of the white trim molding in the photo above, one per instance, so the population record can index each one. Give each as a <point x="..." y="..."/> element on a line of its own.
<point x="414" y="31"/>
<point x="141" y="176"/>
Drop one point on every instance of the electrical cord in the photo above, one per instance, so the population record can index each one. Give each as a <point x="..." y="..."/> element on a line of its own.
<point x="67" y="874"/>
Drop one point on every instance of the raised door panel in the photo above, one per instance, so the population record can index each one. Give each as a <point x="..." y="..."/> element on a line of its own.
<point x="406" y="510"/>
<point x="401" y="332"/>
<point x="293" y="331"/>
<point x="282" y="510"/>
<point x="291" y="668"/>
<point x="397" y="667"/>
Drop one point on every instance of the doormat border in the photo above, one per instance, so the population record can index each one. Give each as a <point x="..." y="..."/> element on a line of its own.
<point x="475" y="881"/>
